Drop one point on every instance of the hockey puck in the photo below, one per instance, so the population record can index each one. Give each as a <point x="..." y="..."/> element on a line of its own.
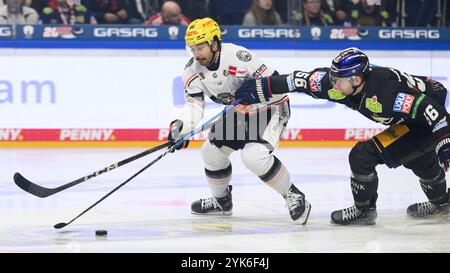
<point x="101" y="232"/>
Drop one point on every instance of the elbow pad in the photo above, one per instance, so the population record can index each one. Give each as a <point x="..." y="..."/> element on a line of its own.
<point x="192" y="114"/>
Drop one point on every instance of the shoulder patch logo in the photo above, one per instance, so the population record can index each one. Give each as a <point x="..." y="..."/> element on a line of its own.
<point x="244" y="55"/>
<point x="373" y="105"/>
<point x="335" y="94"/>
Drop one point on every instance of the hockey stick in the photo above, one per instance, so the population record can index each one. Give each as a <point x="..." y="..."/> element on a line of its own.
<point x="203" y="127"/>
<point x="43" y="192"/>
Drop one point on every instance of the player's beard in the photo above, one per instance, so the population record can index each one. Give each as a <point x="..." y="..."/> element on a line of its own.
<point x="202" y="61"/>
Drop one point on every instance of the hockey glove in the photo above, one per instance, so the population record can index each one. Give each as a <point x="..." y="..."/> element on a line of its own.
<point x="443" y="153"/>
<point x="174" y="134"/>
<point x="254" y="91"/>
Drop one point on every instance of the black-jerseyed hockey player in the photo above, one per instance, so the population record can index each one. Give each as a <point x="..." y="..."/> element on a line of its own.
<point x="216" y="70"/>
<point x="413" y="106"/>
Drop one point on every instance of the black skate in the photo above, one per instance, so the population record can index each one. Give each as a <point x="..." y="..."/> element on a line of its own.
<point x="213" y="206"/>
<point x="429" y="209"/>
<point x="298" y="207"/>
<point x="354" y="216"/>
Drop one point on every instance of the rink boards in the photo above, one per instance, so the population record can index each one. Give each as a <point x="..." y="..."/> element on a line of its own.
<point x="127" y="98"/>
<point x="291" y="137"/>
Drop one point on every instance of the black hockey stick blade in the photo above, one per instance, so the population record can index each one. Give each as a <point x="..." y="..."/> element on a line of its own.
<point x="43" y="192"/>
<point x="30" y="187"/>
<point x="60" y="225"/>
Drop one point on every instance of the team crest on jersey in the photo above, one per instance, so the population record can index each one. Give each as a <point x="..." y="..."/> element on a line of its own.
<point x="403" y="103"/>
<point x="244" y="55"/>
<point x="373" y="105"/>
<point x="335" y="94"/>
<point x="315" y="81"/>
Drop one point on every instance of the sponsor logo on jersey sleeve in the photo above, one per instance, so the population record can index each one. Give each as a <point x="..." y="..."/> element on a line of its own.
<point x="441" y="124"/>
<point x="259" y="71"/>
<point x="373" y="105"/>
<point x="232" y="70"/>
<point x="236" y="71"/>
<point x="290" y="82"/>
<point x="403" y="103"/>
<point x="315" y="81"/>
<point x="382" y="120"/>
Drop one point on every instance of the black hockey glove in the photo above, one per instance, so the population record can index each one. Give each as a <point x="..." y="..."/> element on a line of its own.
<point x="175" y="128"/>
<point x="254" y="91"/>
<point x="443" y="153"/>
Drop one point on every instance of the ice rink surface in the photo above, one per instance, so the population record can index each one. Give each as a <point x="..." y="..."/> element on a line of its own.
<point x="152" y="212"/>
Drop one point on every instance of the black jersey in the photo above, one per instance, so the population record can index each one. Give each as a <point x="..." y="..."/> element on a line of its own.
<point x="389" y="96"/>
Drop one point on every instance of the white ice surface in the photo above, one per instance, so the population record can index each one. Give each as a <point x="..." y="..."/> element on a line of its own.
<point x="152" y="212"/>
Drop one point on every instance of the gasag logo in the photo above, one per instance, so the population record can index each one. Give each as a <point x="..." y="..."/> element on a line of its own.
<point x="125" y="32"/>
<point x="269" y="33"/>
<point x="409" y="34"/>
<point x="5" y="31"/>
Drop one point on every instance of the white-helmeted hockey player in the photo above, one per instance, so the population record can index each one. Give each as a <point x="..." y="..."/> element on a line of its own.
<point x="217" y="70"/>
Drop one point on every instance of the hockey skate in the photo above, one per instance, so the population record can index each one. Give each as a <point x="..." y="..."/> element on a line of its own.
<point x="354" y="216"/>
<point x="213" y="206"/>
<point x="429" y="209"/>
<point x="298" y="207"/>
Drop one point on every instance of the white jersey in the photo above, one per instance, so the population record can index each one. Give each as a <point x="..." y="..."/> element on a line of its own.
<point x="235" y="66"/>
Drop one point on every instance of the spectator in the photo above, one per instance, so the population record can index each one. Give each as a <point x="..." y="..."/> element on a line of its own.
<point x="170" y="15"/>
<point x="59" y="12"/>
<point x="391" y="7"/>
<point x="230" y="12"/>
<point x="420" y="13"/>
<point x="314" y="15"/>
<point x="339" y="10"/>
<point x="109" y="11"/>
<point x="281" y="6"/>
<point x="194" y="9"/>
<point x="368" y="14"/>
<point x="262" y="12"/>
<point x="139" y="10"/>
<point x="15" y="12"/>
<point x="37" y="5"/>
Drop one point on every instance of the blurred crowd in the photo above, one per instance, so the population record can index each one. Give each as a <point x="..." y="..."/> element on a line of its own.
<point x="228" y="12"/>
